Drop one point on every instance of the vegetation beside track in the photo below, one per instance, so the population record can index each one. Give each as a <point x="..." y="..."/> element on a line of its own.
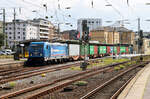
<point x="100" y="62"/>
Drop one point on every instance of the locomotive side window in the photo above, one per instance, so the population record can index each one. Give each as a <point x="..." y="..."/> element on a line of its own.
<point x="47" y="47"/>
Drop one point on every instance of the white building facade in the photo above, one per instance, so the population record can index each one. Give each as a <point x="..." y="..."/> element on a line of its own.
<point x="24" y="30"/>
<point x="44" y="27"/>
<point x="27" y="30"/>
<point x="92" y="23"/>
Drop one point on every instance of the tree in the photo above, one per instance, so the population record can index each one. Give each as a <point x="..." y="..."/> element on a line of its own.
<point x="1" y="39"/>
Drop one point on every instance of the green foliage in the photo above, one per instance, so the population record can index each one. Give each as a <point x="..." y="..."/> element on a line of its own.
<point x="75" y="68"/>
<point x="12" y="84"/>
<point x="116" y="68"/>
<point x="122" y="67"/>
<point x="81" y="83"/>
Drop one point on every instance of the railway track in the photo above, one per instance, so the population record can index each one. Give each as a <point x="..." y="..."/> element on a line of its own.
<point x="7" y="70"/>
<point x="100" y="89"/>
<point x="42" y="89"/>
<point x="15" y="70"/>
<point x="33" y="71"/>
<point x="38" y="71"/>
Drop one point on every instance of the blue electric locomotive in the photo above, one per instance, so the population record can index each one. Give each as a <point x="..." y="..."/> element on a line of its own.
<point x="42" y="52"/>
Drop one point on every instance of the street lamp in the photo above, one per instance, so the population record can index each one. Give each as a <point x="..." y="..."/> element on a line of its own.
<point x="147" y="20"/>
<point x="147" y="3"/>
<point x="108" y="5"/>
<point x="108" y="21"/>
<point x="68" y="8"/>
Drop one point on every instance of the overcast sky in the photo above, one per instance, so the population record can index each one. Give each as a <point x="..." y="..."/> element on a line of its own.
<point x="80" y="9"/>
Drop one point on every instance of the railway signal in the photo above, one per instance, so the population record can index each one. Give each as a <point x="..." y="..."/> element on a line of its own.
<point x="85" y="40"/>
<point x="140" y="43"/>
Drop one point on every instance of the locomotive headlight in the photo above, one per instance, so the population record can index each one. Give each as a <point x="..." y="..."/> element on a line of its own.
<point x="40" y="54"/>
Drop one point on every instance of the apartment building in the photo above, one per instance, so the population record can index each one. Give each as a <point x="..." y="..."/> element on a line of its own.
<point x="38" y="29"/>
<point x="45" y="28"/>
<point x="21" y="30"/>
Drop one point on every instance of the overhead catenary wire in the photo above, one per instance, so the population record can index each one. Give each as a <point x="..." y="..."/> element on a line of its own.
<point x="39" y="6"/>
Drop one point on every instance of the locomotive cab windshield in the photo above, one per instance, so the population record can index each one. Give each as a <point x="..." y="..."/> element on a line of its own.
<point x="36" y="50"/>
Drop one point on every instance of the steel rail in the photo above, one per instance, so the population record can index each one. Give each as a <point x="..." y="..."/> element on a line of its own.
<point x="32" y="73"/>
<point x="120" y="90"/>
<point x="107" y="82"/>
<point x="29" y="89"/>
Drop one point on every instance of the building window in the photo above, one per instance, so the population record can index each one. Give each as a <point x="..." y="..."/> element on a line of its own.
<point x="5" y="28"/>
<point x="18" y="28"/>
<point x="136" y="42"/>
<point x="10" y="33"/>
<point x="10" y="28"/>
<point x="9" y="37"/>
<point x="24" y="29"/>
<point x="18" y="37"/>
<point x="24" y="38"/>
<point x="23" y="33"/>
<point x="18" y="32"/>
<point x="92" y="21"/>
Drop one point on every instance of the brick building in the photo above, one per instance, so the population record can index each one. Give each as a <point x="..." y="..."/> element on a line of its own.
<point x="112" y="35"/>
<point x="69" y="35"/>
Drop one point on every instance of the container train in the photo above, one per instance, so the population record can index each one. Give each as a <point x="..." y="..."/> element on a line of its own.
<point x="45" y="52"/>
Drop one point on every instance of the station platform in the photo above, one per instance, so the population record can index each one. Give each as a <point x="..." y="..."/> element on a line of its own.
<point x="139" y="86"/>
<point x="8" y="63"/>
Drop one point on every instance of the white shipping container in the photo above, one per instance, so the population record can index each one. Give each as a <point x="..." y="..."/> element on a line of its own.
<point x="74" y="50"/>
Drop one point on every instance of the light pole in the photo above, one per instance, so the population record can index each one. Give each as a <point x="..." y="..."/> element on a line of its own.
<point x="5" y="39"/>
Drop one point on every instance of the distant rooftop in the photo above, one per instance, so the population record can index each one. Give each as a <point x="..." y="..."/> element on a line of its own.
<point x="111" y="29"/>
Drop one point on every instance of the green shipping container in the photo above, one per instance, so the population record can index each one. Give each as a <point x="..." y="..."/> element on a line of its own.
<point x="91" y="50"/>
<point x="115" y="49"/>
<point x="122" y="49"/>
<point x="102" y="49"/>
<point x="82" y="49"/>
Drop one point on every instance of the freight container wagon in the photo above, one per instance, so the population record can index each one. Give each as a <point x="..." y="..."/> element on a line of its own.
<point x="115" y="50"/>
<point x="84" y="49"/>
<point x="118" y="50"/>
<point x="102" y="50"/>
<point x="127" y="50"/>
<point x="74" y="51"/>
<point x="108" y="50"/>
<point x="58" y="50"/>
<point x="93" y="51"/>
<point x="122" y="50"/>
